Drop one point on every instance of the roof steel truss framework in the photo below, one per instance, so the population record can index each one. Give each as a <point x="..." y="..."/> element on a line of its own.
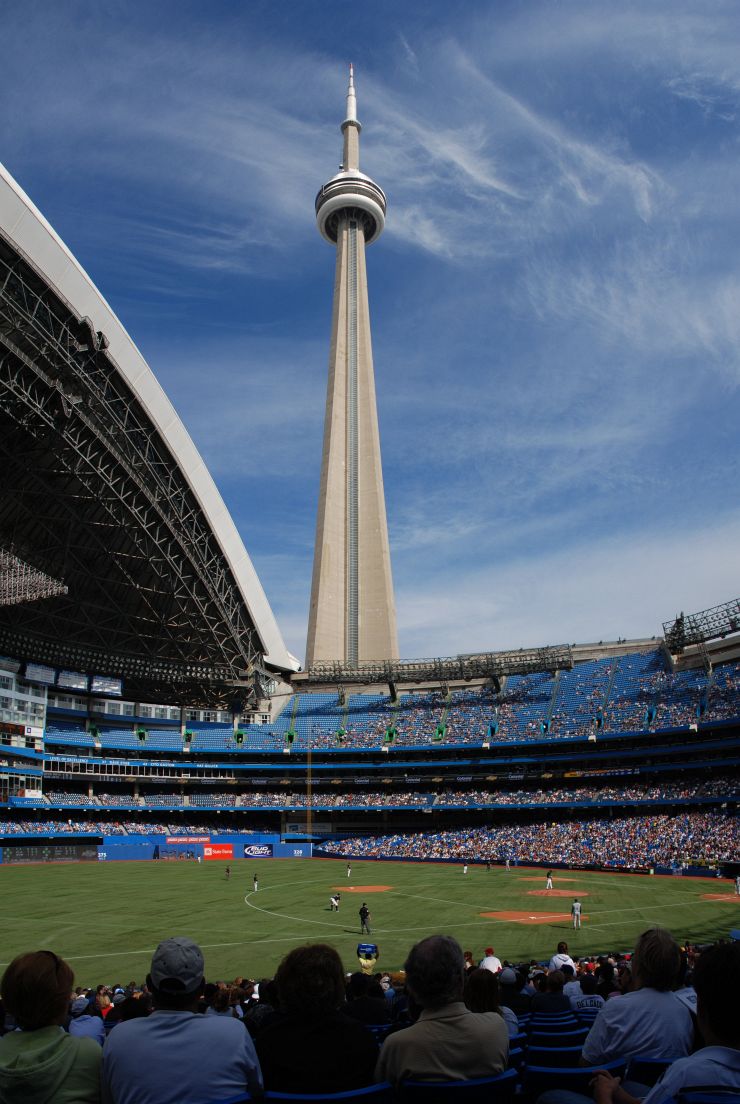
<point x="90" y="495"/>
<point x="557" y="657"/>
<point x="695" y="628"/>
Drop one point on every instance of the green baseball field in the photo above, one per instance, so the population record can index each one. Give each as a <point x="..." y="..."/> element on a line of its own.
<point x="107" y="918"/>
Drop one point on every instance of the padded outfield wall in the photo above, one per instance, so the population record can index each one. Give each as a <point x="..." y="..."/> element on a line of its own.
<point x="155" y="846"/>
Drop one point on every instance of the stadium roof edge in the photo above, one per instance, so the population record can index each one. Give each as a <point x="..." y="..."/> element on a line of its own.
<point x="36" y="240"/>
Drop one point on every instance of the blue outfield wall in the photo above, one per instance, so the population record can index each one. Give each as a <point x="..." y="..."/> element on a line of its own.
<point x="225" y="847"/>
<point x="116" y="848"/>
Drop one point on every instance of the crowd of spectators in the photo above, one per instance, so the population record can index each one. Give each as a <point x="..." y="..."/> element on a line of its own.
<point x="632" y="791"/>
<point x="637" y="842"/>
<point x="447" y="1016"/>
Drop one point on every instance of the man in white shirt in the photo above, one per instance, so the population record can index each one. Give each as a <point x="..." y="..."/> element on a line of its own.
<point x="490" y="962"/>
<point x="562" y="958"/>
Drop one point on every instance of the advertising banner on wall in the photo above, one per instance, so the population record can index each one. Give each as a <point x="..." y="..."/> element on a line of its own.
<point x="218" y="851"/>
<point x="257" y="850"/>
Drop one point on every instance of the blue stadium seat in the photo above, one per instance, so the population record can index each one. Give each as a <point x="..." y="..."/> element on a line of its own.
<point x="708" y="1096"/>
<point x="646" y="1071"/>
<point x="538" y="1079"/>
<point x="479" y="1090"/>
<point x="373" y="1094"/>
<point x="574" y="1038"/>
<point x="567" y="1056"/>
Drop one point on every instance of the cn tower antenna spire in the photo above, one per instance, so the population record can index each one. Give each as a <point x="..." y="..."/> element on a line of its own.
<point x="351" y="98"/>
<point x="352" y="617"/>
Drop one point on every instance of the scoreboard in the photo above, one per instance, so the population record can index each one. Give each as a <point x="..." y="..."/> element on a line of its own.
<point x="49" y="852"/>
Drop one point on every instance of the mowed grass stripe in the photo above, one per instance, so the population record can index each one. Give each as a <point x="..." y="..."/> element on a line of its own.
<point x="107" y="918"/>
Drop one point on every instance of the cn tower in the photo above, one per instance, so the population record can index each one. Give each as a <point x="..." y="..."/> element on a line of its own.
<point x="352" y="618"/>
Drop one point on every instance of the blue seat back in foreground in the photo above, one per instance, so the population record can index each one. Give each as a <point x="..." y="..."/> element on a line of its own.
<point x="646" y="1071"/>
<point x="538" y="1079"/>
<point x="373" y="1094"/>
<point x="479" y="1090"/>
<point x="562" y="1057"/>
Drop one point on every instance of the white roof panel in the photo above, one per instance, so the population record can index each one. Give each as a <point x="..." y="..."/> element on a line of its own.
<point x="31" y="234"/>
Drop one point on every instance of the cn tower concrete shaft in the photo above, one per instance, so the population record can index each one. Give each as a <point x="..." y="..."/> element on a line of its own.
<point x="352" y="618"/>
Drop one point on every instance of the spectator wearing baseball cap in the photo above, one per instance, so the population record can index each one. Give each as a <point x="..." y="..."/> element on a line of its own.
<point x="490" y="961"/>
<point x="512" y="992"/>
<point x="176" y="1056"/>
<point x="83" y="1024"/>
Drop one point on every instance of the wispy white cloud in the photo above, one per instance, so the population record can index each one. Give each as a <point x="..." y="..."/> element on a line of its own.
<point x="603" y="589"/>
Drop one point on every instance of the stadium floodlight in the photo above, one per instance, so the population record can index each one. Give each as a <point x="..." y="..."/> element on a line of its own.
<point x="19" y="582"/>
<point x="696" y="628"/>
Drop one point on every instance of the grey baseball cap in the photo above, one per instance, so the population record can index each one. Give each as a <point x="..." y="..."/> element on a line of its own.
<point x="177" y="966"/>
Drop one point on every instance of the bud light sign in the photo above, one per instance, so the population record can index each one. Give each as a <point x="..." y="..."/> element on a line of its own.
<point x="257" y="850"/>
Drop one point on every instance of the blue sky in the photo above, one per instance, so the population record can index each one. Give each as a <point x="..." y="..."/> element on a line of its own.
<point x="555" y="300"/>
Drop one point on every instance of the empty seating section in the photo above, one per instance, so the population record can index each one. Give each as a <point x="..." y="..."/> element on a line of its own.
<point x="120" y="738"/>
<point x="72" y="733"/>
<point x="163" y="739"/>
<point x="213" y="737"/>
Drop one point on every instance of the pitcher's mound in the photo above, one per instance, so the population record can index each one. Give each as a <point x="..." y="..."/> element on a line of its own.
<point x="530" y="917"/>
<point x="556" y="893"/>
<point x="720" y="897"/>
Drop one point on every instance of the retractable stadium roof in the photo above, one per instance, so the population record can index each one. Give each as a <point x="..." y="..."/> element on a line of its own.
<point x="102" y="489"/>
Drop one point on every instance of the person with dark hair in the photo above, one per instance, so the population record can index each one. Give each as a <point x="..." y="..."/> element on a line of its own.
<point x="562" y="958"/>
<point x="314" y="1047"/>
<point x="366" y="1000"/>
<point x="176" y="1056"/>
<point x="448" y="1042"/>
<point x="482" y="993"/>
<point x="588" y="998"/>
<point x="513" y="995"/>
<point x="650" y="1019"/>
<point x="41" y="1062"/>
<point x="552" y="999"/>
<point x="717" y="1064"/>
<point x="606" y="983"/>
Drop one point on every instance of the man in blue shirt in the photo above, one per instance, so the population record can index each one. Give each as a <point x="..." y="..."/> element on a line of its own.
<point x="176" y="1056"/>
